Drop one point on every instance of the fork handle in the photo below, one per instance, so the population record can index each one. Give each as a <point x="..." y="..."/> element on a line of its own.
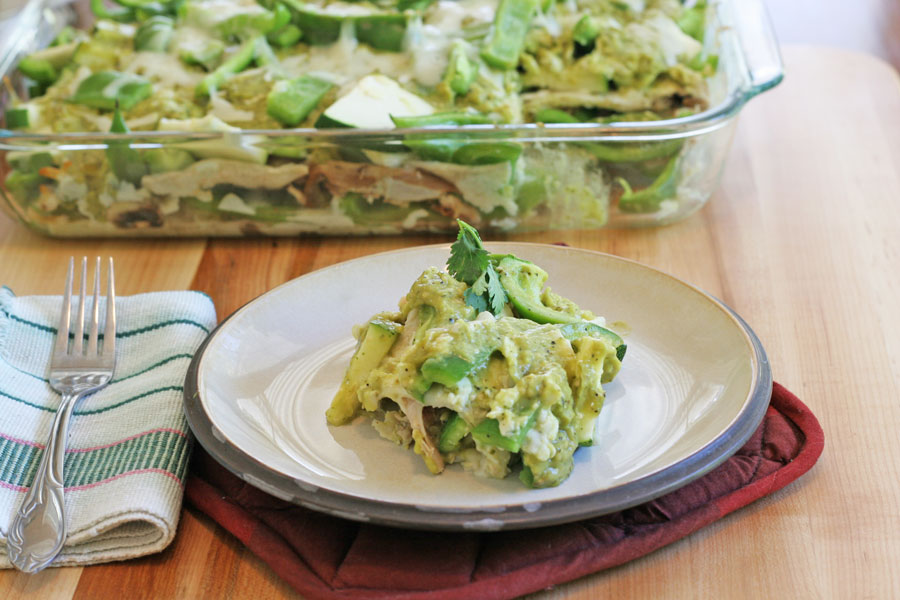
<point x="38" y="531"/>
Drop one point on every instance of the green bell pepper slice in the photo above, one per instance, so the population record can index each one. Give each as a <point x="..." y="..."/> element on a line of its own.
<point x="383" y="32"/>
<point x="17" y="117"/>
<point x="455" y="147"/>
<point x="461" y="71"/>
<point x="123" y="15"/>
<point x="205" y="54"/>
<point x="362" y="212"/>
<point x="488" y="433"/>
<point x="487" y="153"/>
<point x="285" y="37"/>
<point x="507" y="38"/>
<point x="455" y="429"/>
<point x="24" y="187"/>
<point x="692" y="20"/>
<point x="234" y="64"/>
<point x="45" y="65"/>
<point x="291" y="101"/>
<point x="586" y="31"/>
<point x="154" y="34"/>
<point x="649" y="199"/>
<point x="620" y="152"/>
<point x="108" y="90"/>
<point x="124" y="160"/>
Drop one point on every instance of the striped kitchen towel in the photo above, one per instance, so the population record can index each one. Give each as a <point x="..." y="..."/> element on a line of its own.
<point x="128" y="444"/>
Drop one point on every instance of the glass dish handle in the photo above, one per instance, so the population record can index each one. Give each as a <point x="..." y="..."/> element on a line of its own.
<point x="757" y="38"/>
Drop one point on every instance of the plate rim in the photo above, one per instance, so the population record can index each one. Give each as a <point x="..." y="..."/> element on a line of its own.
<point x="509" y="516"/>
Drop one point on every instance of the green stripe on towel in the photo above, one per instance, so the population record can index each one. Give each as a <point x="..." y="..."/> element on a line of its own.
<point x="157" y="450"/>
<point x="168" y="388"/>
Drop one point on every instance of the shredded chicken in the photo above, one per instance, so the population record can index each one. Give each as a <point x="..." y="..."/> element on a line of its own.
<point x="406" y="336"/>
<point x="299" y="196"/>
<point x="413" y="409"/>
<point x="484" y="186"/>
<point x="393" y="185"/>
<point x="450" y="205"/>
<point x="206" y="174"/>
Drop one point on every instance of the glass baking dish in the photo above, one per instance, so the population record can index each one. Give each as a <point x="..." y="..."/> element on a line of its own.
<point x="339" y="181"/>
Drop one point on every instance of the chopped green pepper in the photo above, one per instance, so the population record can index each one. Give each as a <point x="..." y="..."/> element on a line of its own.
<point x="384" y="32"/>
<point x="162" y="160"/>
<point x="25" y="187"/>
<point x="263" y="55"/>
<point x="442" y="118"/>
<point x="442" y="147"/>
<point x="124" y="15"/>
<point x="17" y="117"/>
<point x="124" y="160"/>
<point x="154" y="34"/>
<point x="693" y="20"/>
<point x="554" y="115"/>
<point x="38" y="69"/>
<point x="45" y="65"/>
<point x="413" y="5"/>
<point x="285" y="37"/>
<point x="290" y="101"/>
<point x="461" y="71"/>
<point x="205" y="53"/>
<point x="148" y="10"/>
<point x="67" y="35"/>
<point x="107" y="90"/>
<point x="236" y="63"/>
<point x="573" y="331"/>
<point x="318" y="29"/>
<point x="649" y="198"/>
<point x="614" y="152"/>
<point x="252" y="20"/>
<point x="363" y="212"/>
<point x="29" y="162"/>
<point x="282" y="17"/>
<point x="445" y="370"/>
<point x="455" y="429"/>
<point x="526" y="476"/>
<point x="488" y="432"/>
<point x="586" y="31"/>
<point x="487" y="153"/>
<point x="507" y="38"/>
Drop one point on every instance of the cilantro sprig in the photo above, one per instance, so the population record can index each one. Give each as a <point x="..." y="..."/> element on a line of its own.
<point x="470" y="263"/>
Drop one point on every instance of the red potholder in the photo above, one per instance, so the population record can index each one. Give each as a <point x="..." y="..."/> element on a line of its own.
<point x="327" y="557"/>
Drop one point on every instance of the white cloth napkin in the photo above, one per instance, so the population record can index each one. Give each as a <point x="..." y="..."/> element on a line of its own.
<point x="128" y="444"/>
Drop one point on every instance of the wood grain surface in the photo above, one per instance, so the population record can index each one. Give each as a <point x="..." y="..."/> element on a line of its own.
<point x="802" y="239"/>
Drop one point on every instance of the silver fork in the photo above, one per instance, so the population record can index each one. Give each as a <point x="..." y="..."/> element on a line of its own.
<point x="39" y="528"/>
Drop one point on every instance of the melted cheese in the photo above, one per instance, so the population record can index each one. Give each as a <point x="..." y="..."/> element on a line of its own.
<point x="430" y="50"/>
<point x="672" y="42"/>
<point x="223" y="109"/>
<point x="163" y="68"/>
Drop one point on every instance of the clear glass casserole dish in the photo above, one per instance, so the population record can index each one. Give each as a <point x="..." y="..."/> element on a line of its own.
<point x="334" y="180"/>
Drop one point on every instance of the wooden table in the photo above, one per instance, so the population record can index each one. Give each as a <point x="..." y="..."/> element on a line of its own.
<point x="802" y="239"/>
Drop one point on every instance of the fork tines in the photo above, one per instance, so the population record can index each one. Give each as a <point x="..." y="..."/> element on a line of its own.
<point x="62" y="339"/>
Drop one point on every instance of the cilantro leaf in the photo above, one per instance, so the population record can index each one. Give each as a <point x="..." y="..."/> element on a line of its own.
<point x="470" y="263"/>
<point x="468" y="258"/>
<point x="496" y="293"/>
<point x="476" y="301"/>
<point x="489" y="288"/>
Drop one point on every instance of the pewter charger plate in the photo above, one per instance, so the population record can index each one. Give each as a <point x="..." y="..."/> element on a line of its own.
<point x="694" y="386"/>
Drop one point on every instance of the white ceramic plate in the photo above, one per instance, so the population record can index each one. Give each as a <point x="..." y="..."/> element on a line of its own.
<point x="694" y="386"/>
